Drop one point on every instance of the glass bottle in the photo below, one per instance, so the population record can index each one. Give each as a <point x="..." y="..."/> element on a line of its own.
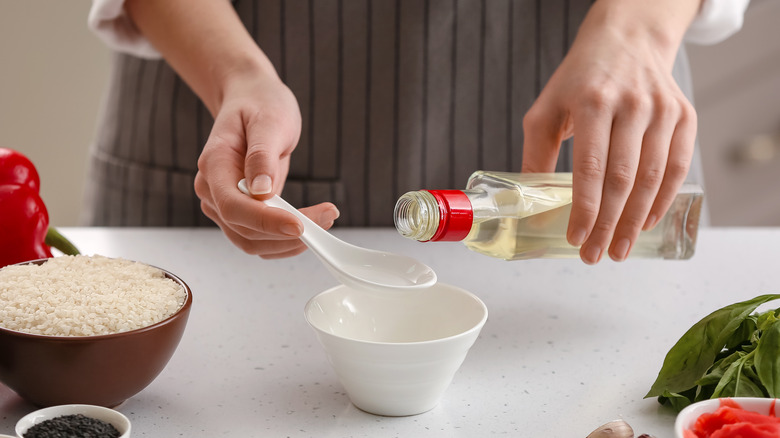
<point x="516" y="216"/>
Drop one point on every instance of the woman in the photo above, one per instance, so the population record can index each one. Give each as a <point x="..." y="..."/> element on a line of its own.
<point x="379" y="97"/>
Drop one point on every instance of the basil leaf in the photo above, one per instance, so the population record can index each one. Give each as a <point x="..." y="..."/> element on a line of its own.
<point x="750" y="373"/>
<point x="748" y="388"/>
<point x="768" y="359"/>
<point x="718" y="369"/>
<point x="745" y="387"/>
<point x="743" y="334"/>
<point x="766" y="319"/>
<point x="676" y="401"/>
<point x="692" y="355"/>
<point x="733" y="383"/>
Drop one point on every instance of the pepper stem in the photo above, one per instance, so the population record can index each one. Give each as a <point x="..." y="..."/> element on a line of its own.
<point x="56" y="240"/>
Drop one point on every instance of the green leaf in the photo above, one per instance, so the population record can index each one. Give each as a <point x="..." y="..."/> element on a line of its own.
<point x="676" y="401"/>
<point x="727" y="385"/>
<point x="742" y="386"/>
<point x="748" y="388"/>
<point x="735" y="381"/>
<point x="708" y="383"/>
<point x="694" y="353"/>
<point x="768" y="359"/>
<point x="743" y="334"/>
<point x="716" y="371"/>
<point x="766" y="319"/>
<point x="759" y="390"/>
<point x="750" y="372"/>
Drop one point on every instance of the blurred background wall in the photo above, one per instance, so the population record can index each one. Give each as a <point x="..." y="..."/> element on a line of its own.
<point x="53" y="73"/>
<point x="737" y="96"/>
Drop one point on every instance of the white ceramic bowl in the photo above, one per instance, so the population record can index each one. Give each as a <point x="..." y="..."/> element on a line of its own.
<point x="116" y="418"/>
<point x="396" y="353"/>
<point x="687" y="417"/>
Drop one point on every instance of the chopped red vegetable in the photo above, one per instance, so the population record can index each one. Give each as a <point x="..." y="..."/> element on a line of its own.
<point x="730" y="420"/>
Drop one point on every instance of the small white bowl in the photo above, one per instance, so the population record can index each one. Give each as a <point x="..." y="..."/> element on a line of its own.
<point x="396" y="353"/>
<point x="116" y="418"/>
<point x="687" y="417"/>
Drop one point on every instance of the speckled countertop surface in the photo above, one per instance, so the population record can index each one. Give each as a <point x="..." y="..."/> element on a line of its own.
<point x="567" y="347"/>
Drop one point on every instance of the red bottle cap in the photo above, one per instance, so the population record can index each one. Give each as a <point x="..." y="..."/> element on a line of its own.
<point x="455" y="215"/>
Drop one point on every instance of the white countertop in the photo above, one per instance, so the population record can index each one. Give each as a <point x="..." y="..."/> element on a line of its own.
<point x="567" y="347"/>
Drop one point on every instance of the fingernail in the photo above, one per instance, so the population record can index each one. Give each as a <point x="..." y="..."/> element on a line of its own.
<point x="592" y="255"/>
<point x="261" y="185"/>
<point x="291" y="230"/>
<point x="577" y="237"/>
<point x="330" y="215"/>
<point x="620" y="251"/>
<point x="650" y="222"/>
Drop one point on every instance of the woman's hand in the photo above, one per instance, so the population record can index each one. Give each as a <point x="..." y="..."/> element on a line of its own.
<point x="257" y="121"/>
<point x="255" y="131"/>
<point x="634" y="130"/>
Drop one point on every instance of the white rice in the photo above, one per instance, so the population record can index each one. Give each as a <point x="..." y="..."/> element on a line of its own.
<point x="85" y="296"/>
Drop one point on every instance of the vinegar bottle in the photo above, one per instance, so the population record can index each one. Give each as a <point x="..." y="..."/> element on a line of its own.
<point x="516" y="216"/>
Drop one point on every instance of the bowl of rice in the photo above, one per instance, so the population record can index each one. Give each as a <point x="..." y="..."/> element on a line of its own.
<point x="87" y="329"/>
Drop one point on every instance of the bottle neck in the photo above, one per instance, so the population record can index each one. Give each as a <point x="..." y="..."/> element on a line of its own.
<point x="434" y="215"/>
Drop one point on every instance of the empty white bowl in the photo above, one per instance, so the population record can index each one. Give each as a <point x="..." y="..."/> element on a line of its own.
<point x="115" y="418"/>
<point x="396" y="353"/>
<point x="687" y="417"/>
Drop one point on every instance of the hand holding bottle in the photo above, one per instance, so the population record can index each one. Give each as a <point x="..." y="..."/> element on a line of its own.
<point x="634" y="130"/>
<point x="519" y="216"/>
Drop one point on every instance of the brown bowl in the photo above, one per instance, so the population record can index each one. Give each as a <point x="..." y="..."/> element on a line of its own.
<point x="100" y="370"/>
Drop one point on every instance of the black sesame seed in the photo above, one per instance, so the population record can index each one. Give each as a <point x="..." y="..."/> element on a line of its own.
<point x="72" y="426"/>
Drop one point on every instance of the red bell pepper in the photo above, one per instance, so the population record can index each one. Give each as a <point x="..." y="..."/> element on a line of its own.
<point x="24" y="221"/>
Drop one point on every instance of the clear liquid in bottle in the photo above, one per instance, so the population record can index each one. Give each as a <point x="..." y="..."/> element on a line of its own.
<point x="523" y="216"/>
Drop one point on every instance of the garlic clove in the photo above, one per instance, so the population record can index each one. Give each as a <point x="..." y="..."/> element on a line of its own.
<point x="613" y="429"/>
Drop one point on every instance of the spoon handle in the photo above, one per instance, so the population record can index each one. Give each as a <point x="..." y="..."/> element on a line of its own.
<point x="310" y="229"/>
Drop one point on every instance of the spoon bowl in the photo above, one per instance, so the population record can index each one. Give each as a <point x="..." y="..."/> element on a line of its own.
<point x="357" y="267"/>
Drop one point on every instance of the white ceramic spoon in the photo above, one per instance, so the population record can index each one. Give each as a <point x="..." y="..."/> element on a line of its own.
<point x="354" y="266"/>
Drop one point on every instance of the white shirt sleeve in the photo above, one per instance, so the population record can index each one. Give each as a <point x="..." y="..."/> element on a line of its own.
<point x="108" y="20"/>
<point x="717" y="20"/>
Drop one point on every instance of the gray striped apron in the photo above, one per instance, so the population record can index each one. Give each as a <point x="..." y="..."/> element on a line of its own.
<point x="395" y="95"/>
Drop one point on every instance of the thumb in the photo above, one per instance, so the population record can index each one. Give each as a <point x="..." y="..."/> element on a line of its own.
<point x="267" y="157"/>
<point x="544" y="127"/>
<point x="260" y="171"/>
